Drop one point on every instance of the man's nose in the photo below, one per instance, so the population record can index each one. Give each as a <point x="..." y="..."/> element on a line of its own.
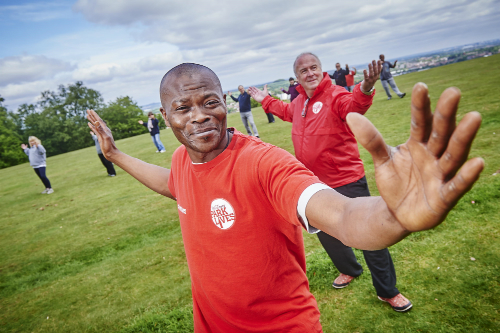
<point x="199" y="115"/>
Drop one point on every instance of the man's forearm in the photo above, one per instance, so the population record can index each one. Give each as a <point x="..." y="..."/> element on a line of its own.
<point x="152" y="176"/>
<point x="364" y="223"/>
<point x="278" y="108"/>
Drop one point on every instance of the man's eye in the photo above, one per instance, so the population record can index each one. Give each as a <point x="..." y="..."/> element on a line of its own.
<point x="213" y="103"/>
<point x="181" y="108"/>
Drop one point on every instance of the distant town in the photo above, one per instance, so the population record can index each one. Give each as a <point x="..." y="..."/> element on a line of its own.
<point x="405" y="65"/>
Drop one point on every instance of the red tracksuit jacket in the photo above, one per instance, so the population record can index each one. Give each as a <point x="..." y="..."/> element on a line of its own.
<point x="322" y="140"/>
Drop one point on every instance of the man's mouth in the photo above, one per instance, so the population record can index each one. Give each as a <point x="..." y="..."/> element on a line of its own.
<point x="204" y="131"/>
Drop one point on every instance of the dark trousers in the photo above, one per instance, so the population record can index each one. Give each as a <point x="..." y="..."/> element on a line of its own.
<point x="379" y="262"/>
<point x="270" y="117"/>
<point x="41" y="173"/>
<point x="107" y="164"/>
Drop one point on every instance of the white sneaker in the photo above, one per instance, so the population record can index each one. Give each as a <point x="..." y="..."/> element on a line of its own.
<point x="45" y="191"/>
<point x="163" y="151"/>
<point x="157" y="151"/>
<point x="49" y="191"/>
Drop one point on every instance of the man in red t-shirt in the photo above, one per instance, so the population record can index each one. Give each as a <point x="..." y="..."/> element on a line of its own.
<point x="350" y="79"/>
<point x="242" y="203"/>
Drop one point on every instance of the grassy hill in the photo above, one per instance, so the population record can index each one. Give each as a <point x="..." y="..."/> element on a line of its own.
<point x="106" y="254"/>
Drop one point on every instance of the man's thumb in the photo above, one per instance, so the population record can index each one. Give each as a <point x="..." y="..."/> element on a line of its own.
<point x="369" y="137"/>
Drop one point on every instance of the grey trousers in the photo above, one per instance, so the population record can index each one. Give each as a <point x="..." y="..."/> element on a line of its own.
<point x="247" y="117"/>
<point x="392" y="83"/>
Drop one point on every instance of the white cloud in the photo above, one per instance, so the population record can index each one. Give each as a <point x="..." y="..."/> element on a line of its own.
<point x="131" y="43"/>
<point x="30" y="68"/>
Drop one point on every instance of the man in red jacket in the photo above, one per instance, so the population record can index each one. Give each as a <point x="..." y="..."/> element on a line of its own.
<point x="324" y="143"/>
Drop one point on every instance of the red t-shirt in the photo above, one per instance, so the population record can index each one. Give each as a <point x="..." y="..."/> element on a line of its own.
<point x="349" y="79"/>
<point x="243" y="239"/>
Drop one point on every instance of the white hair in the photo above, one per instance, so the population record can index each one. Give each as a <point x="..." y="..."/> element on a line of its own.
<point x="300" y="56"/>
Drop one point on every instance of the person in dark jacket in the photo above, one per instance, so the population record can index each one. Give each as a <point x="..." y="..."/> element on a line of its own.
<point x="37" y="156"/>
<point x="245" y="110"/>
<point x="387" y="80"/>
<point x="270" y="117"/>
<point x="107" y="164"/>
<point x="339" y="76"/>
<point x="292" y="89"/>
<point x="154" y="130"/>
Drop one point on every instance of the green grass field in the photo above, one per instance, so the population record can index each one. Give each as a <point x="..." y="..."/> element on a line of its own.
<point x="105" y="254"/>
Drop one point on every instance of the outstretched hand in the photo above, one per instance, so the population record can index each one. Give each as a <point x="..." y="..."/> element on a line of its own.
<point x="103" y="133"/>
<point x="258" y="94"/>
<point x="423" y="179"/>
<point x="23" y="146"/>
<point x="372" y="75"/>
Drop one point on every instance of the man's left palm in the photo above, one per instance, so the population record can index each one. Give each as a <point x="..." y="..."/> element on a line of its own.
<point x="418" y="180"/>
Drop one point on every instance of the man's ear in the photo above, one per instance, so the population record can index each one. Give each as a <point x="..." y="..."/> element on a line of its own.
<point x="164" y="115"/>
<point x="224" y="99"/>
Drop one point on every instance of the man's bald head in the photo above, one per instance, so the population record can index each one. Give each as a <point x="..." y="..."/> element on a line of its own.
<point x="187" y="69"/>
<point x="302" y="55"/>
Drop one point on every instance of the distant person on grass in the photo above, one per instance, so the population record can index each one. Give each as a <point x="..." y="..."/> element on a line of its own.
<point x="243" y="203"/>
<point x="154" y="130"/>
<point x="324" y="142"/>
<point x="387" y="80"/>
<point x="245" y="110"/>
<point x="349" y="79"/>
<point x="107" y="164"/>
<point x="340" y="76"/>
<point x="292" y="89"/>
<point x="37" y="156"/>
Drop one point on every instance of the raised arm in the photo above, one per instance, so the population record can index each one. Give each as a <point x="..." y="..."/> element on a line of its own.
<point x="40" y="150"/>
<point x="25" y="148"/>
<point x="419" y="181"/>
<point x="269" y="104"/>
<point x="231" y="95"/>
<point x="152" y="176"/>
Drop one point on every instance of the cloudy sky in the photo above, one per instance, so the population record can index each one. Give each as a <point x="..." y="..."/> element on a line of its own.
<point x="123" y="47"/>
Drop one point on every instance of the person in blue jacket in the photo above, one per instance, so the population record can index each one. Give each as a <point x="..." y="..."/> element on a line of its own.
<point x="37" y="156"/>
<point x="154" y="130"/>
<point x="245" y="110"/>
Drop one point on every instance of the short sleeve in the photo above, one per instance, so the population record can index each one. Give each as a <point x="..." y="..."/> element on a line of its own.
<point x="283" y="179"/>
<point x="173" y="170"/>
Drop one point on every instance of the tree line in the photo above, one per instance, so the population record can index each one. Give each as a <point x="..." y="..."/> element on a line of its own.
<point x="59" y="120"/>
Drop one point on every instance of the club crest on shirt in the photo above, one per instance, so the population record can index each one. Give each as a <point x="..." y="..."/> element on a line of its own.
<point x="317" y="107"/>
<point x="222" y="214"/>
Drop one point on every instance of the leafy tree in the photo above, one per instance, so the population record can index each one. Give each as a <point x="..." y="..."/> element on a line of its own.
<point x="59" y="118"/>
<point x="121" y="116"/>
<point x="10" y="141"/>
<point x="59" y="121"/>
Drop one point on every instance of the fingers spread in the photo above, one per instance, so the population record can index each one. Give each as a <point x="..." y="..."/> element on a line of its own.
<point x="369" y="137"/>
<point x="459" y="144"/>
<point x="421" y="116"/>
<point x="453" y="190"/>
<point x="443" y="123"/>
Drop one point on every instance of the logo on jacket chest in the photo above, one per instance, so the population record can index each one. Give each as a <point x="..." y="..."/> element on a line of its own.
<point x="317" y="107"/>
<point x="222" y="214"/>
